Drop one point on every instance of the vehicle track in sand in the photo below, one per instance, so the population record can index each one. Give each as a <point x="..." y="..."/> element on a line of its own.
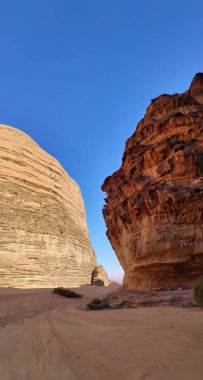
<point x="48" y="337"/>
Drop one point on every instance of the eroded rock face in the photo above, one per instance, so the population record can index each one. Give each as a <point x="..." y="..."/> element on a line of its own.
<point x="154" y="205"/>
<point x="99" y="276"/>
<point x="44" y="239"/>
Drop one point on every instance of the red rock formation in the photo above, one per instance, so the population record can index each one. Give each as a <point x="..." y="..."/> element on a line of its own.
<point x="154" y="204"/>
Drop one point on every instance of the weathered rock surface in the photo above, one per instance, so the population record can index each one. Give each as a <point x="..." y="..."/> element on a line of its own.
<point x="154" y="210"/>
<point x="138" y="298"/>
<point x="44" y="239"/>
<point x="99" y="276"/>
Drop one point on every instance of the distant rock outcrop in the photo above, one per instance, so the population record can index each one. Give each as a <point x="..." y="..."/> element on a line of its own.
<point x="154" y="210"/>
<point x="44" y="239"/>
<point x="99" y="276"/>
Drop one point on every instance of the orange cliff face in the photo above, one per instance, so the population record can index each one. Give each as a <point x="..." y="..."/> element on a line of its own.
<point x="154" y="204"/>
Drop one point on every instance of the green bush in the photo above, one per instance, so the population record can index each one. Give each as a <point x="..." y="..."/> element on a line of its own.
<point x="198" y="292"/>
<point x="97" y="304"/>
<point x="67" y="293"/>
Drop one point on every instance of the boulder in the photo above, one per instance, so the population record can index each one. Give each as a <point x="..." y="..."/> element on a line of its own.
<point x="99" y="276"/>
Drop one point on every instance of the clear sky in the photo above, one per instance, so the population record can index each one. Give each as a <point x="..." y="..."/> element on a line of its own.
<point x="77" y="75"/>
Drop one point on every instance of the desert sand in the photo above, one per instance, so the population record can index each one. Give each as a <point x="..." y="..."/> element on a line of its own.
<point x="44" y="336"/>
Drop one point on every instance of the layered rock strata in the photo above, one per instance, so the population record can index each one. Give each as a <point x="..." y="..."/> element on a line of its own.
<point x="99" y="276"/>
<point x="154" y="204"/>
<point x="44" y="239"/>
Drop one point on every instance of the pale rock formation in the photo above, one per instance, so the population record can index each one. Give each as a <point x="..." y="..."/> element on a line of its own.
<point x="99" y="276"/>
<point x="44" y="239"/>
<point x="154" y="204"/>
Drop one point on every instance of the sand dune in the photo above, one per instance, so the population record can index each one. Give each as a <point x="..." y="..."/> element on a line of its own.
<point x="47" y="337"/>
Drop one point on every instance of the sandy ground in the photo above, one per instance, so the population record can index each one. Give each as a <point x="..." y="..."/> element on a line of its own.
<point x="47" y="337"/>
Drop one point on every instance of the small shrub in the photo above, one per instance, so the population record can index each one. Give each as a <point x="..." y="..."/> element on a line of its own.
<point x="67" y="293"/>
<point x="97" y="304"/>
<point x="198" y="292"/>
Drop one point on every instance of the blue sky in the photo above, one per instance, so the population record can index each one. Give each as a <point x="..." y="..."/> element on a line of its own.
<point x="77" y="75"/>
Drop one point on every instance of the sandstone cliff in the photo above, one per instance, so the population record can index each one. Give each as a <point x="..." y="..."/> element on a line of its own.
<point x="44" y="236"/>
<point x="154" y="204"/>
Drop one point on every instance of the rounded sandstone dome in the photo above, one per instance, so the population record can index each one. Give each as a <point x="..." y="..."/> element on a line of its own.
<point x="44" y="235"/>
